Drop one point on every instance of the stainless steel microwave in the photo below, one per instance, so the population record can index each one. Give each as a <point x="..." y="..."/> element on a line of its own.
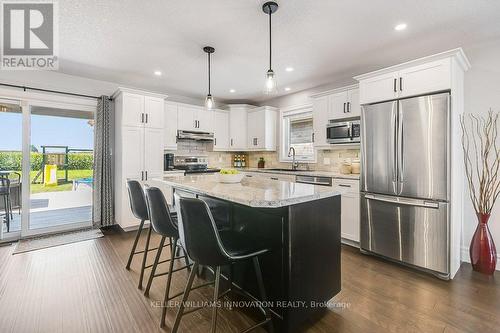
<point x="346" y="130"/>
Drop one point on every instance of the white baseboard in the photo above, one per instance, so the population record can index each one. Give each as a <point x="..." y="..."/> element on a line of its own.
<point x="466" y="258"/>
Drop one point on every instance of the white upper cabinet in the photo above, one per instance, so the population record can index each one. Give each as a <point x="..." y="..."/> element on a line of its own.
<point x="186" y="118"/>
<point x="418" y="77"/>
<point x="338" y="106"/>
<point x="320" y="119"/>
<point x="154" y="111"/>
<point x="261" y="133"/>
<point x="195" y="118"/>
<point x="238" y="127"/>
<point x="221" y="130"/>
<point x="205" y="120"/>
<point x="133" y="110"/>
<point x="379" y="88"/>
<point x="425" y="78"/>
<point x="353" y="106"/>
<point x="170" y="130"/>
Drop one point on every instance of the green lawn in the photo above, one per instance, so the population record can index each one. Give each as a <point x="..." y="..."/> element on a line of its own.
<point x="72" y="174"/>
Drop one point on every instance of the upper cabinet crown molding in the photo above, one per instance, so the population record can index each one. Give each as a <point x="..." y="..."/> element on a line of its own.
<point x="458" y="54"/>
<point x="122" y="90"/>
<point x="335" y="91"/>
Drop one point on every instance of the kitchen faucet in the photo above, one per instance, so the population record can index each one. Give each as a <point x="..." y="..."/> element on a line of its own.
<point x="291" y="153"/>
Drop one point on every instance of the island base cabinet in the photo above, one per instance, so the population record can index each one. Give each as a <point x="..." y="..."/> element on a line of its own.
<point x="301" y="271"/>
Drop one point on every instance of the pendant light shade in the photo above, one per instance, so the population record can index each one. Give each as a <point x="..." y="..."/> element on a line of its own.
<point x="269" y="8"/>
<point x="209" y="100"/>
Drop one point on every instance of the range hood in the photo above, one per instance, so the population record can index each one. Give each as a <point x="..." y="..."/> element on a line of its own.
<point x="192" y="135"/>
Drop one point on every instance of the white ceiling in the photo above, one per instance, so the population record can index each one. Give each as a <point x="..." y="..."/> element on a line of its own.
<point x="324" y="40"/>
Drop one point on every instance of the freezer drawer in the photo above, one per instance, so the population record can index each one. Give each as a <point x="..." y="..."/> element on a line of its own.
<point x="412" y="231"/>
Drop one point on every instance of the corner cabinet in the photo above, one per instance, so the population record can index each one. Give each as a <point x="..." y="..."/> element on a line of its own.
<point x="238" y="127"/>
<point x="170" y="126"/>
<point x="139" y="144"/>
<point x="221" y="130"/>
<point x="261" y="128"/>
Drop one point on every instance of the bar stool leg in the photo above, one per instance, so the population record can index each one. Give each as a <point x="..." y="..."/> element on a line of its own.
<point x="169" y="281"/>
<point x="145" y="257"/>
<point x="185" y="297"/>
<point x="262" y="291"/>
<point x="216" y="299"/>
<point x="155" y="264"/>
<point x="132" y="252"/>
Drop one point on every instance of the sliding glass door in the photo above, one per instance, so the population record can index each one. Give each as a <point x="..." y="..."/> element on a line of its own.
<point x="46" y="168"/>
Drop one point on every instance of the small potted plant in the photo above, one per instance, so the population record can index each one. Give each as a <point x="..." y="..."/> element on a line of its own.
<point x="482" y="167"/>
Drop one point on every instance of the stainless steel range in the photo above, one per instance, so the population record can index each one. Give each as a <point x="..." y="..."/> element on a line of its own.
<point x="193" y="164"/>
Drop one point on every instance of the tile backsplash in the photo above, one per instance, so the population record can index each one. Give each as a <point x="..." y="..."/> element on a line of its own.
<point x="327" y="160"/>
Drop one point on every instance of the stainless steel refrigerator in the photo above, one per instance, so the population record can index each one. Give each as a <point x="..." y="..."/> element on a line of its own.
<point x="405" y="181"/>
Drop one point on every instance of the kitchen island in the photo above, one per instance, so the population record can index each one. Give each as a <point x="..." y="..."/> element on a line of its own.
<point x="299" y="223"/>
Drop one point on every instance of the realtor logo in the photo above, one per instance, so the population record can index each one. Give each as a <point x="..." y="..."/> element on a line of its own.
<point x="29" y="35"/>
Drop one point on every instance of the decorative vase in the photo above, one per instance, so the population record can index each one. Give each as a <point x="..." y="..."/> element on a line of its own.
<point x="483" y="254"/>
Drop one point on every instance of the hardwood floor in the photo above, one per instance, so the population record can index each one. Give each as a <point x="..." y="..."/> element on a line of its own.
<point x="84" y="287"/>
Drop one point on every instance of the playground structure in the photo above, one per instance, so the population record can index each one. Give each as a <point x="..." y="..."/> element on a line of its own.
<point x="53" y="161"/>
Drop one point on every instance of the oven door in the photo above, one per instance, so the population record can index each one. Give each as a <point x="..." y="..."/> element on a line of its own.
<point x="338" y="132"/>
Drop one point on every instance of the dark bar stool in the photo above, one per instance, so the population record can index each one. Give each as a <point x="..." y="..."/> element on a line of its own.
<point x="205" y="246"/>
<point x="140" y="210"/>
<point x="165" y="225"/>
<point x="7" y="203"/>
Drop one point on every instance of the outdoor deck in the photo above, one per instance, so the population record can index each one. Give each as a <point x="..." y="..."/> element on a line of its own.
<point x="50" y="209"/>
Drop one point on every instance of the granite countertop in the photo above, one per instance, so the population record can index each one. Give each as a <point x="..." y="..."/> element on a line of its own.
<point x="305" y="173"/>
<point x="253" y="192"/>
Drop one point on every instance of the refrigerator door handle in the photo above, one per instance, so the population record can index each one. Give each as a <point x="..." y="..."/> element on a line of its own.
<point x="394" y="144"/>
<point x="403" y="201"/>
<point x="401" y="165"/>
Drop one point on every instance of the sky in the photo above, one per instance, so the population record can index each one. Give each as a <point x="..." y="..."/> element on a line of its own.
<point x="45" y="130"/>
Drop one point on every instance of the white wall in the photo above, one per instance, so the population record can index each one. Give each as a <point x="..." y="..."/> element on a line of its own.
<point x="482" y="92"/>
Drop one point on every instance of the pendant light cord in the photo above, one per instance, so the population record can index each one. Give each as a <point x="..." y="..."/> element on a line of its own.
<point x="209" y="73"/>
<point x="270" y="41"/>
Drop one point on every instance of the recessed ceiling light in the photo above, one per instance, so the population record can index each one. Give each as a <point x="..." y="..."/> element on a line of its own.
<point x="158" y="73"/>
<point x="232" y="90"/>
<point x="288" y="89"/>
<point x="289" y="69"/>
<point x="401" y="26"/>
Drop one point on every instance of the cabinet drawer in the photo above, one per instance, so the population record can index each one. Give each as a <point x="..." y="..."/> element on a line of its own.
<point x="346" y="186"/>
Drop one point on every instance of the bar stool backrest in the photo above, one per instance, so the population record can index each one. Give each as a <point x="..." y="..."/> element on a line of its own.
<point x="201" y="237"/>
<point x="137" y="200"/>
<point x="159" y="214"/>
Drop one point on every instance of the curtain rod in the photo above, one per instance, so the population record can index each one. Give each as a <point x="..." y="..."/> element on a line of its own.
<point x="50" y="91"/>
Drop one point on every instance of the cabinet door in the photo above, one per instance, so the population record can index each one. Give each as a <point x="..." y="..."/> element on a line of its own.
<point x="349" y="216"/>
<point x="256" y="133"/>
<point x="380" y="88"/>
<point x="221" y="130"/>
<point x="320" y="119"/>
<point x="153" y="153"/>
<point x="354" y="109"/>
<point x="430" y="77"/>
<point x="238" y="129"/>
<point x="185" y="118"/>
<point x="133" y="110"/>
<point x="170" y="129"/>
<point x="154" y="108"/>
<point x="205" y="121"/>
<point x="132" y="152"/>
<point x="337" y="107"/>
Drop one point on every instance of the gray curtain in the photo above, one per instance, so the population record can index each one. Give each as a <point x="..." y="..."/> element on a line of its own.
<point x="103" y="211"/>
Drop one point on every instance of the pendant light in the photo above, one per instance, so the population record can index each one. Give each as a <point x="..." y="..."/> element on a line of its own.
<point x="270" y="8"/>
<point x="209" y="101"/>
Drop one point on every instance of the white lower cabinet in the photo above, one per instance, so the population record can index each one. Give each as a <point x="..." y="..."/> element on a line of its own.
<point x="349" y="208"/>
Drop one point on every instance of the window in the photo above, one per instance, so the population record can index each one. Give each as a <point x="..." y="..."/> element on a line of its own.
<point x="297" y="132"/>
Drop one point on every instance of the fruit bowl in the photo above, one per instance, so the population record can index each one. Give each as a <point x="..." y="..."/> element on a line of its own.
<point x="230" y="176"/>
